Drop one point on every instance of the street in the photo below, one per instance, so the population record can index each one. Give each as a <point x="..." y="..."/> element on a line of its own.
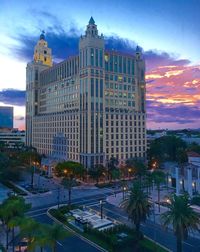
<point x="151" y="230"/>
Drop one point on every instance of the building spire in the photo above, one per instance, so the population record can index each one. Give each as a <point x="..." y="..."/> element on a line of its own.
<point x="42" y="36"/>
<point x="91" y="21"/>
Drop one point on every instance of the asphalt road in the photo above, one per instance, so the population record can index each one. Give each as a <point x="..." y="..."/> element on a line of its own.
<point x="150" y="229"/>
<point x="71" y="243"/>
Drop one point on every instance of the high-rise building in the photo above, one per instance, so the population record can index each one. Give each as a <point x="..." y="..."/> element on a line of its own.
<point x="6" y="117"/>
<point x="95" y="100"/>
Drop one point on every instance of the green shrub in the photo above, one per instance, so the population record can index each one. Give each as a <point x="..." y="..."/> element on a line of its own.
<point x="110" y="236"/>
<point x="196" y="200"/>
<point x="58" y="215"/>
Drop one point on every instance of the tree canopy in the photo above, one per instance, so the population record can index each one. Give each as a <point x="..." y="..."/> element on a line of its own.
<point x="166" y="148"/>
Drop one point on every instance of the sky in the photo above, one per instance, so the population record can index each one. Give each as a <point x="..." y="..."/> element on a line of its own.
<point x="167" y="31"/>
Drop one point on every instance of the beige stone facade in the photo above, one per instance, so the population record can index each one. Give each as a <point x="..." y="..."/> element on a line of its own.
<point x="95" y="99"/>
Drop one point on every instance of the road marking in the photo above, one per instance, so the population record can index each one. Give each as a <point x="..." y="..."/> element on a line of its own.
<point x="38" y="210"/>
<point x="59" y="243"/>
<point x="36" y="215"/>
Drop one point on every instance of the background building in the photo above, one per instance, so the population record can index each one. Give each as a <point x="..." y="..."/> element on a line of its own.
<point x="6" y="117"/>
<point x="95" y="99"/>
<point x="12" y="139"/>
<point x="186" y="178"/>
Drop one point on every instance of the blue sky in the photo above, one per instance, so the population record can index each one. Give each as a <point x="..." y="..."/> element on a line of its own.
<point x="167" y="30"/>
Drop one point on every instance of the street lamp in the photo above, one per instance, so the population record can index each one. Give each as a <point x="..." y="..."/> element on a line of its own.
<point x="124" y="190"/>
<point x="101" y="208"/>
<point x="129" y="171"/>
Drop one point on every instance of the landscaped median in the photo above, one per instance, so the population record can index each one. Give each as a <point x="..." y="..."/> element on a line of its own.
<point x="116" y="239"/>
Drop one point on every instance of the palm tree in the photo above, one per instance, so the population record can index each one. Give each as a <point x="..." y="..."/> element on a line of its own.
<point x="112" y="167"/>
<point x="158" y="178"/>
<point x="14" y="222"/>
<point x="97" y="172"/>
<point x="69" y="171"/>
<point x="12" y="208"/>
<point x="5" y="216"/>
<point x="148" y="182"/>
<point x="182" y="218"/>
<point x="137" y="206"/>
<point x="55" y="233"/>
<point x="29" y="229"/>
<point x="68" y="183"/>
<point x="40" y="236"/>
<point x="138" y="167"/>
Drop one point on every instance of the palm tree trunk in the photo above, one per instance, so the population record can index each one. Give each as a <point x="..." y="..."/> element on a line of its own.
<point x="137" y="227"/>
<point x="54" y="247"/>
<point x="69" y="196"/>
<point x="159" y="198"/>
<point x="7" y="233"/>
<point x="32" y="174"/>
<point x="179" y="243"/>
<point x="13" y="237"/>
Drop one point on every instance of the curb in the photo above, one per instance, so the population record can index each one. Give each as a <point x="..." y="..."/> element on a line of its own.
<point x="157" y="243"/>
<point x="75" y="233"/>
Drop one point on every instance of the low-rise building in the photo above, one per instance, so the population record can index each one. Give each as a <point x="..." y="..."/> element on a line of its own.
<point x="12" y="139"/>
<point x="187" y="177"/>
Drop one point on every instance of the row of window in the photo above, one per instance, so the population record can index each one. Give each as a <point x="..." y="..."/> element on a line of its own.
<point x="124" y="136"/>
<point x="125" y="149"/>
<point x="126" y="156"/>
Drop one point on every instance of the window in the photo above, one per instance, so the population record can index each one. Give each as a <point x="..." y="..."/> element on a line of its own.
<point x="101" y="88"/>
<point x="92" y="56"/>
<point x="92" y="87"/>
<point x="97" y="89"/>
<point x="96" y="58"/>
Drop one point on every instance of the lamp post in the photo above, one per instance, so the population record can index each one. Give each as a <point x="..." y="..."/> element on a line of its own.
<point x="58" y="197"/>
<point x="32" y="174"/>
<point x="129" y="171"/>
<point x="124" y="191"/>
<point x="101" y="208"/>
<point x="169" y="182"/>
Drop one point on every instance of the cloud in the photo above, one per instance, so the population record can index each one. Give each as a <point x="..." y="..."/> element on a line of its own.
<point x="173" y="96"/>
<point x="19" y="118"/>
<point x="173" y="86"/>
<point x="64" y="40"/>
<point x="155" y="58"/>
<point x="13" y="96"/>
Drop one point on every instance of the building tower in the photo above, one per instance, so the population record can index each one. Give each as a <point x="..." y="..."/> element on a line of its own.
<point x="91" y="51"/>
<point x="42" y="60"/>
<point x="41" y="52"/>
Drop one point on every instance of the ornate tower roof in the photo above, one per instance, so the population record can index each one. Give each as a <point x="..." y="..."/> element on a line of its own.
<point x="42" y="53"/>
<point x="91" y="21"/>
<point x="42" y="36"/>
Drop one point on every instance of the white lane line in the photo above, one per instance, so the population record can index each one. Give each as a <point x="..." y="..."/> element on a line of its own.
<point x="59" y="243"/>
<point x="35" y="215"/>
<point x="37" y="210"/>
